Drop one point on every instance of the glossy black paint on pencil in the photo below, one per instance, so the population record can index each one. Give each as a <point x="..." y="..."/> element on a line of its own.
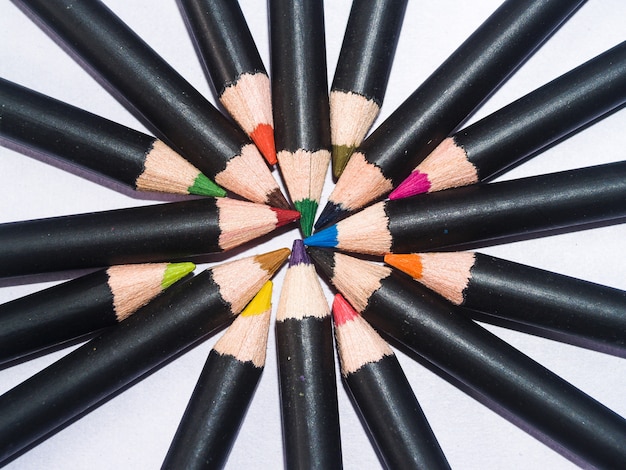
<point x="159" y="232"/>
<point x="537" y="297"/>
<point x="482" y="213"/>
<point x="368" y="48"/>
<point x="150" y="84"/>
<point x="299" y="81"/>
<point x="545" y="115"/>
<point x="224" y="40"/>
<point x="82" y="137"/>
<point x="306" y="369"/>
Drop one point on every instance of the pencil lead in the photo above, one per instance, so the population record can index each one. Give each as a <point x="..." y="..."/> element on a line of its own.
<point x="298" y="254"/>
<point x="307" y="208"/>
<point x="174" y="272"/>
<point x="272" y="260"/>
<point x="285" y="216"/>
<point x="342" y="310"/>
<point x="260" y="303"/>
<point x="326" y="238"/>
<point x="340" y="155"/>
<point x="416" y="183"/>
<point x="410" y="264"/>
<point x="331" y="213"/>
<point x="203" y="186"/>
<point x="263" y="137"/>
<point x="323" y="259"/>
<point x="277" y="199"/>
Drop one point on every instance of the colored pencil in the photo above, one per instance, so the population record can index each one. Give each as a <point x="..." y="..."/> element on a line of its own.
<point x="434" y="329"/>
<point x="205" y="137"/>
<point x="224" y="390"/>
<point x="306" y="369"/>
<point x="382" y="395"/>
<point x="93" y="373"/>
<point x="77" y="136"/>
<point x="159" y="232"/>
<point x="522" y="294"/>
<point x="362" y="72"/>
<point x="81" y="306"/>
<point x="524" y="128"/>
<point x="443" y="101"/>
<point x="483" y="213"/>
<point x="233" y="63"/>
<point x="300" y="101"/>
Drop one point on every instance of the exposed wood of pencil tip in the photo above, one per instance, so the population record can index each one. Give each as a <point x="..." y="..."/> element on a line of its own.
<point x="351" y="116"/>
<point x="448" y="274"/>
<point x="360" y="182"/>
<point x="167" y="171"/>
<point x="357" y="342"/>
<point x="246" y="338"/>
<point x="134" y="285"/>
<point x="251" y="272"/>
<point x="241" y="221"/>
<point x="446" y="167"/>
<point x="249" y="101"/>
<point x="258" y="185"/>
<point x="301" y="295"/>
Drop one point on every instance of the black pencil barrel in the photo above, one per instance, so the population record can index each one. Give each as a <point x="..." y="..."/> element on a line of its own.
<point x="161" y="232"/>
<point x="368" y="48"/>
<point x="546" y="114"/>
<point x="518" y="207"/>
<point x="223" y="38"/>
<point x="214" y="414"/>
<point x="432" y="328"/>
<point x="147" y="82"/>
<point x="55" y="315"/>
<point x="308" y="393"/>
<point x="549" y="300"/>
<point x="461" y="83"/>
<point x="299" y="81"/>
<point x="96" y="371"/>
<point x="394" y="417"/>
<point x="72" y="134"/>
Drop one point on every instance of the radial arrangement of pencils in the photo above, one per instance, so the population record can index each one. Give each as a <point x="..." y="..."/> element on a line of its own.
<point x="311" y="234"/>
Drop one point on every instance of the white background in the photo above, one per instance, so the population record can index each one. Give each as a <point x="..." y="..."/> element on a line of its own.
<point x="134" y="429"/>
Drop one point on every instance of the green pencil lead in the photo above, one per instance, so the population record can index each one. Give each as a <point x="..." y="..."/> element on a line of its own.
<point x="307" y="209"/>
<point x="203" y="186"/>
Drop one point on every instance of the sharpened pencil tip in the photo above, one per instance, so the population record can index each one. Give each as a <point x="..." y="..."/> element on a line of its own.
<point x="203" y="186"/>
<point x="324" y="259"/>
<point x="285" y="216"/>
<point x="260" y="303"/>
<point x="307" y="208"/>
<point x="415" y="183"/>
<point x="410" y="264"/>
<point x="263" y="138"/>
<point x="342" y="310"/>
<point x="277" y="199"/>
<point x="272" y="260"/>
<point x="174" y="272"/>
<point x="326" y="238"/>
<point x="340" y="155"/>
<point x="298" y="254"/>
<point x="331" y="214"/>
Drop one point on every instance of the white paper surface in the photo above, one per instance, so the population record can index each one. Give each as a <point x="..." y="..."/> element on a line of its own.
<point x="134" y="429"/>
